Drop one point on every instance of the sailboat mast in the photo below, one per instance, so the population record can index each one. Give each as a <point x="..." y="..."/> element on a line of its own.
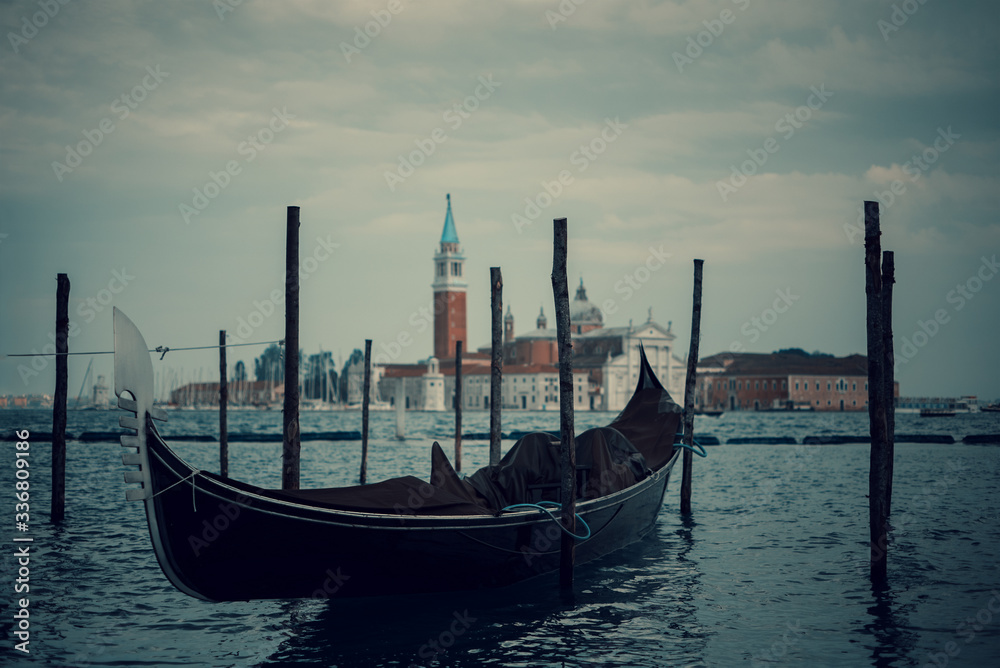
<point x="83" y="384"/>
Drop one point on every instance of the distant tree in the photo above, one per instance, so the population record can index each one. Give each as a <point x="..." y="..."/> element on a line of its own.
<point x="357" y="357"/>
<point x="317" y="376"/>
<point x="333" y="384"/>
<point x="801" y="353"/>
<point x="240" y="373"/>
<point x="270" y="365"/>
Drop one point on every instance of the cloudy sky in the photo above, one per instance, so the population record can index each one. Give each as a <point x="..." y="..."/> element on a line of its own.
<point x="149" y="150"/>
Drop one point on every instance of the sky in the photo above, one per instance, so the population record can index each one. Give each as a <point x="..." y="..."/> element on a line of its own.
<point x="150" y="150"/>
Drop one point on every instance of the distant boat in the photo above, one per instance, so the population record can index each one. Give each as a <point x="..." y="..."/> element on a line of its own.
<point x="990" y="408"/>
<point x="936" y="412"/>
<point x="219" y="539"/>
<point x="709" y="412"/>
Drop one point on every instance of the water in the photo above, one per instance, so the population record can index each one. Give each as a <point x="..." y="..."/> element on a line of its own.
<point x="771" y="569"/>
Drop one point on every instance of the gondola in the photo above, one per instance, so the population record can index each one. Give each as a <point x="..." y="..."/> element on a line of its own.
<point x="220" y="539"/>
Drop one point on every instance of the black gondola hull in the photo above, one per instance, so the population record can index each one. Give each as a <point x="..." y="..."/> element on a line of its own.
<point x="222" y="542"/>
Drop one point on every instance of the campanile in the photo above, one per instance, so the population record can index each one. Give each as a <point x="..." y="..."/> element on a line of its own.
<point x="449" y="291"/>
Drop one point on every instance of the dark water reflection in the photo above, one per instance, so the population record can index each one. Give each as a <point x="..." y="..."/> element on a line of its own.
<point x="769" y="570"/>
<point x="894" y="641"/>
<point x="639" y="608"/>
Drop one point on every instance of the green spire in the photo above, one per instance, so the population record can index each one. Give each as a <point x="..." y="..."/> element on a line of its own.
<point x="449" y="235"/>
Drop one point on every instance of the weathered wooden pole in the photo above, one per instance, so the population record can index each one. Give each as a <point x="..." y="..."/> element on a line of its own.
<point x="401" y="409"/>
<point x="458" y="406"/>
<point x="290" y="434"/>
<point x="878" y="472"/>
<point x="364" y="411"/>
<point x="689" y="385"/>
<point x="58" y="509"/>
<point x="223" y="407"/>
<point x="567" y="448"/>
<point x="496" y="362"/>
<point x="888" y="278"/>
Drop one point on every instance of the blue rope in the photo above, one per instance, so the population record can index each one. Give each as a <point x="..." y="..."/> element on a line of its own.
<point x="697" y="449"/>
<point x="556" y="506"/>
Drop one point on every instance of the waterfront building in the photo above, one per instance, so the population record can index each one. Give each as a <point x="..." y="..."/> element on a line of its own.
<point x="784" y="380"/>
<point x="241" y="392"/>
<point x="966" y="404"/>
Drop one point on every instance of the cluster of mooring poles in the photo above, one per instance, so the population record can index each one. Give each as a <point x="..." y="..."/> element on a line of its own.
<point x="881" y="391"/>
<point x="878" y="286"/>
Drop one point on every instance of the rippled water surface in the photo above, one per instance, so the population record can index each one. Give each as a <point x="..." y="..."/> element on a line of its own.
<point x="770" y="569"/>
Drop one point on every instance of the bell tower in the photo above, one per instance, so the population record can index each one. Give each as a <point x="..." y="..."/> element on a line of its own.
<point x="449" y="291"/>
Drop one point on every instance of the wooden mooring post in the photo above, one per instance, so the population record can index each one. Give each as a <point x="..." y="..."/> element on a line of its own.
<point x="291" y="443"/>
<point x="888" y="278"/>
<point x="689" y="389"/>
<point x="58" y="508"/>
<point x="364" y="412"/>
<point x="878" y="399"/>
<point x="567" y="448"/>
<point x="401" y="409"/>
<point x="223" y="407"/>
<point x="458" y="406"/>
<point x="496" y="362"/>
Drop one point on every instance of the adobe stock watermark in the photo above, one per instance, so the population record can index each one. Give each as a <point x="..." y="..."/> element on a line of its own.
<point x="249" y="148"/>
<point x="372" y="29"/>
<point x="697" y="44"/>
<point x="459" y="625"/>
<point x="331" y="585"/>
<point x="803" y="457"/>
<point x="454" y="117"/>
<point x="87" y="309"/>
<point x="901" y="13"/>
<point x="955" y="474"/>
<point x="786" y="126"/>
<point x="962" y="294"/>
<point x="755" y="326"/>
<point x="223" y="7"/>
<point x="967" y="631"/>
<point x="265" y="308"/>
<point x="212" y="529"/>
<point x="929" y="499"/>
<point x="581" y="158"/>
<point x="419" y="320"/>
<point x="779" y="649"/>
<point x="121" y="106"/>
<point x="112" y="632"/>
<point x="633" y="281"/>
<point x="566" y="9"/>
<point x="418" y="497"/>
<point x="914" y="169"/>
<point x="29" y="28"/>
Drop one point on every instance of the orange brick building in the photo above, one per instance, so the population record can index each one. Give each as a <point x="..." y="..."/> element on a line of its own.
<point x="783" y="381"/>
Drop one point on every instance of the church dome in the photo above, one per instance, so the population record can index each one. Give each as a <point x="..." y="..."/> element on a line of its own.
<point x="583" y="315"/>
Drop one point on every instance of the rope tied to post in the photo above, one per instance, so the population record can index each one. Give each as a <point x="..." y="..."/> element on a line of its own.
<point x="554" y="506"/>
<point x="697" y="448"/>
